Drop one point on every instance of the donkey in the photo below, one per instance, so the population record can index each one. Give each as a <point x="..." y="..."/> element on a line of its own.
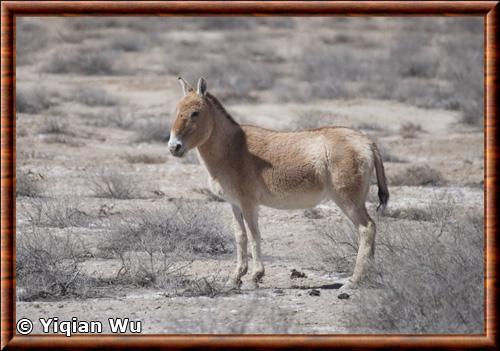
<point x="250" y="166"/>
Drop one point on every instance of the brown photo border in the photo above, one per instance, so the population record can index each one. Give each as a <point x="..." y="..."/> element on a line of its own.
<point x="489" y="10"/>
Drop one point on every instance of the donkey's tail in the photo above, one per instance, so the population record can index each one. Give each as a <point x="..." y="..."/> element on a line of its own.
<point x="383" y="191"/>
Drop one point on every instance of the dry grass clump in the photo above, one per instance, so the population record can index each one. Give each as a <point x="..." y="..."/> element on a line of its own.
<point x="465" y="72"/>
<point x="208" y="194"/>
<point x="156" y="245"/>
<point x="48" y="265"/>
<point x="116" y="117"/>
<point x="387" y="154"/>
<point x="28" y="184"/>
<point x="31" y="39"/>
<point x="144" y="158"/>
<point x="92" y="96"/>
<point x="59" y="212"/>
<point x="32" y="100"/>
<point x="235" y="80"/>
<point x="410" y="130"/>
<point x="429" y="274"/>
<point x="444" y="292"/>
<point x="311" y="119"/>
<point x="211" y="286"/>
<point x="422" y="175"/>
<point x="64" y="140"/>
<point x="84" y="61"/>
<point x="112" y="184"/>
<point x="55" y="125"/>
<point x="152" y="131"/>
<point x="129" y="42"/>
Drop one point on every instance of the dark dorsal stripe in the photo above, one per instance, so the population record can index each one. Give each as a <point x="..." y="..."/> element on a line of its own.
<point x="217" y="104"/>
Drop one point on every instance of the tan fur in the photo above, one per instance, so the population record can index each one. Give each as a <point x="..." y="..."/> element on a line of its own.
<point x="251" y="166"/>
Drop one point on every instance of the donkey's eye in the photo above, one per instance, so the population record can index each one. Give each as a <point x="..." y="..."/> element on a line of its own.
<point x="195" y="114"/>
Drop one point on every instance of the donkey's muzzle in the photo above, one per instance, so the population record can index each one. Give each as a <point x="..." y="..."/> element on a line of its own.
<point x="176" y="148"/>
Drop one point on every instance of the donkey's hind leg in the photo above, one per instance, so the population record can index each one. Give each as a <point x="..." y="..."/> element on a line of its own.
<point x="366" y="229"/>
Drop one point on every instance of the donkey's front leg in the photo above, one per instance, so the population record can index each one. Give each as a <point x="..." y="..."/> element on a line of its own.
<point x="240" y="236"/>
<point x="251" y="216"/>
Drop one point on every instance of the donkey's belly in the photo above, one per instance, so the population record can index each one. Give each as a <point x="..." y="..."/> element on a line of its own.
<point x="295" y="200"/>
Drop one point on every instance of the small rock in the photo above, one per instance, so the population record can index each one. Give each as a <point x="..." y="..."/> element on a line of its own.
<point x="314" y="292"/>
<point x="343" y="296"/>
<point x="279" y="292"/>
<point x="296" y="274"/>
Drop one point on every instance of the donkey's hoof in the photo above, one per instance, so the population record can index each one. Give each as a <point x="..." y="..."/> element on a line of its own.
<point x="348" y="284"/>
<point x="257" y="276"/>
<point x="235" y="283"/>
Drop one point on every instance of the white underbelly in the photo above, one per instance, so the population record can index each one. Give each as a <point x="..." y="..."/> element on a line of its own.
<point x="293" y="201"/>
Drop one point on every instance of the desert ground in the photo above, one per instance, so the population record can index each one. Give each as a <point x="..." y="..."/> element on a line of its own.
<point x="110" y="225"/>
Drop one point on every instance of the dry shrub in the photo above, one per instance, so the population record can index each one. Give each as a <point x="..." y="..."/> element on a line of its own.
<point x="31" y="39"/>
<point x="28" y="184"/>
<point x="152" y="131"/>
<point x="55" y="125"/>
<point x="234" y="80"/>
<point x="48" y="265"/>
<point x="116" y="117"/>
<point x="210" y="286"/>
<point x="429" y="273"/>
<point x="156" y="245"/>
<point x="418" y="176"/>
<point x="92" y="96"/>
<point x="410" y="130"/>
<point x="112" y="184"/>
<point x="63" y="139"/>
<point x="32" y="100"/>
<point x="129" y="42"/>
<point x="311" y="119"/>
<point x="465" y="71"/>
<point x="412" y="57"/>
<point x="144" y="158"/>
<point x="208" y="194"/>
<point x="59" y="212"/>
<point x="432" y="279"/>
<point x="387" y="154"/>
<point x="84" y="61"/>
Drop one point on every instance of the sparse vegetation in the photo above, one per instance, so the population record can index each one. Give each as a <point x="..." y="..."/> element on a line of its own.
<point x="152" y="131"/>
<point x="48" y="265"/>
<point x="410" y="130"/>
<point x="32" y="100"/>
<point x="55" y="125"/>
<point x="28" y="184"/>
<point x="95" y="97"/>
<point x="156" y="245"/>
<point x="208" y="194"/>
<point x="88" y="61"/>
<point x="112" y="183"/>
<point x="422" y="175"/>
<point x="144" y="158"/>
<point x="443" y="293"/>
<point x="59" y="212"/>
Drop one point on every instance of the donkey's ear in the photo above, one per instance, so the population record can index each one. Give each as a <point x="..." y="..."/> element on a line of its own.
<point x="186" y="88"/>
<point x="202" y="87"/>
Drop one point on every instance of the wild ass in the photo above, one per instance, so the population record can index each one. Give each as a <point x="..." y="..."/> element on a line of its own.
<point x="250" y="166"/>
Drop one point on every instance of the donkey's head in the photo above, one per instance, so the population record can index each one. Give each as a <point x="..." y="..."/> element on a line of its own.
<point x="193" y="120"/>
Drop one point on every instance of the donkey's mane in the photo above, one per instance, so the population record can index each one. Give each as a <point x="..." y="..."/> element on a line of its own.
<point x="218" y="105"/>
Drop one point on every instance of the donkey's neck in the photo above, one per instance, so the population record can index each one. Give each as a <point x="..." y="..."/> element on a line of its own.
<point x="222" y="144"/>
